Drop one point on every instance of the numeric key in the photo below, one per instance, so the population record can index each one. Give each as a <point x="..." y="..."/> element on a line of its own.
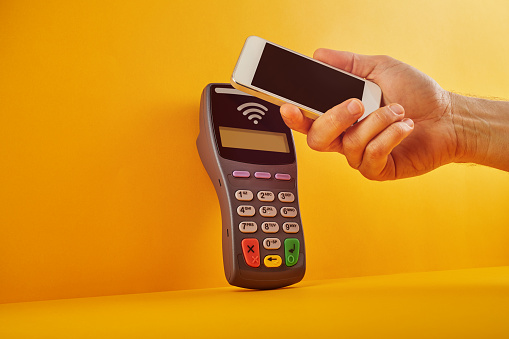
<point x="291" y="227"/>
<point x="289" y="212"/>
<point x="270" y="227"/>
<point x="286" y="197"/>
<point x="245" y="211"/>
<point x="271" y="243"/>
<point x="248" y="227"/>
<point x="268" y="211"/>
<point x="265" y="196"/>
<point x="244" y="195"/>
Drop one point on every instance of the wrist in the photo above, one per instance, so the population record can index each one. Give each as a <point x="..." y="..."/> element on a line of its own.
<point x="482" y="130"/>
<point x="472" y="133"/>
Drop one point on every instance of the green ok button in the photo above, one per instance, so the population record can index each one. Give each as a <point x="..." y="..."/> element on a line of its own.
<point x="292" y="248"/>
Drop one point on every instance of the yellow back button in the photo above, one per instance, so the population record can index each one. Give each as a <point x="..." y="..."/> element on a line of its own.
<point x="272" y="260"/>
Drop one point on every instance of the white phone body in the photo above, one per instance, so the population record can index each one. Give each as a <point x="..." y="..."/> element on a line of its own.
<point x="279" y="75"/>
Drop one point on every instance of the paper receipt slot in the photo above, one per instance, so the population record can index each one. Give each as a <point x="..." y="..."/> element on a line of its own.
<point x="249" y="154"/>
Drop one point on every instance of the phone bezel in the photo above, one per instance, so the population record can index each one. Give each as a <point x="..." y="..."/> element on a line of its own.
<point x="247" y="63"/>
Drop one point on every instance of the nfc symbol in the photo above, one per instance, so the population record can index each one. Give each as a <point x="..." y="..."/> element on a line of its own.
<point x="253" y="113"/>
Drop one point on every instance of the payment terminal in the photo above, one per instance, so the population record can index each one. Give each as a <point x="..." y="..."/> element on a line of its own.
<point x="249" y="154"/>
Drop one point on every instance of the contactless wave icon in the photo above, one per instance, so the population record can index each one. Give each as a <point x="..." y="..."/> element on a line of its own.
<point x="253" y="110"/>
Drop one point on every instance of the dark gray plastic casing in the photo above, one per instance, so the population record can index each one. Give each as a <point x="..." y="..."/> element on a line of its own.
<point x="220" y="170"/>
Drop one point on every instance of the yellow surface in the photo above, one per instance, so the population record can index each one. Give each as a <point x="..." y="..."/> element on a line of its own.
<point x="451" y="304"/>
<point x="101" y="188"/>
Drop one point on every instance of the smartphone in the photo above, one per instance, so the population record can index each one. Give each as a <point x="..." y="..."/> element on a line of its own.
<point x="279" y="75"/>
<point x="249" y="155"/>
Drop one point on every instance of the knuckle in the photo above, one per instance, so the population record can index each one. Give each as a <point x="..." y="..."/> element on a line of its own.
<point x="354" y="163"/>
<point x="372" y="173"/>
<point x="314" y="143"/>
<point x="385" y="59"/>
<point x="351" y="143"/>
<point x="368" y="172"/>
<point x="334" y="121"/>
<point x="398" y="131"/>
<point x="355" y="63"/>
<point x="379" y="116"/>
<point x="384" y="116"/>
<point x="372" y="176"/>
<point x="374" y="150"/>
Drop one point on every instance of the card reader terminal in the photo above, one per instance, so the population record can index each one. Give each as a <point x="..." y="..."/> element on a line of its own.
<point x="249" y="154"/>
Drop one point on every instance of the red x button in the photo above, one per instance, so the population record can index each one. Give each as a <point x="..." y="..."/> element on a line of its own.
<point x="251" y="251"/>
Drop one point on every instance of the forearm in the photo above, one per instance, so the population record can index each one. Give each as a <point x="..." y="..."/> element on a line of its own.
<point x="482" y="131"/>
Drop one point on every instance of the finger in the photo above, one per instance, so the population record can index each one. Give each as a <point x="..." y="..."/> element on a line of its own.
<point x="325" y="131"/>
<point x="377" y="163"/>
<point x="358" y="136"/>
<point x="357" y="64"/>
<point x="294" y="119"/>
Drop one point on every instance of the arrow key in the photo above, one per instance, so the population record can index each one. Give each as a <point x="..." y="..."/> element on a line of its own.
<point x="272" y="261"/>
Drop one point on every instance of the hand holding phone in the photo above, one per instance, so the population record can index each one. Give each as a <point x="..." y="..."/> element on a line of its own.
<point x="279" y="75"/>
<point x="372" y="147"/>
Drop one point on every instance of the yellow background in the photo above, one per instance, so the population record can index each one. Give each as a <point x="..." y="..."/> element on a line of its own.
<point x="101" y="188"/>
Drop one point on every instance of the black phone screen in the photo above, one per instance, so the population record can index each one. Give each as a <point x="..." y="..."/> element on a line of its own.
<point x="303" y="81"/>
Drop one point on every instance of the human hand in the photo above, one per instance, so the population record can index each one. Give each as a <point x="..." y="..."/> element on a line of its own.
<point x="413" y="133"/>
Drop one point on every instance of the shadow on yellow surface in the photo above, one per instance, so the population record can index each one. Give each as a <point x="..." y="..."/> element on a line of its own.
<point x="471" y="303"/>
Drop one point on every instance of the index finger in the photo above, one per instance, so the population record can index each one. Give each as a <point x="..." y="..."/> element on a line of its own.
<point x="324" y="134"/>
<point x="294" y="119"/>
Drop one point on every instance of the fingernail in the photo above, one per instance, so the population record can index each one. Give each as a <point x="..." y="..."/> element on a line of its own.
<point x="354" y="107"/>
<point x="396" y="109"/>
<point x="409" y="122"/>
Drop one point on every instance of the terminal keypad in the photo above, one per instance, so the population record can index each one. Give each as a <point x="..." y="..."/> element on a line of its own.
<point x="261" y="211"/>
